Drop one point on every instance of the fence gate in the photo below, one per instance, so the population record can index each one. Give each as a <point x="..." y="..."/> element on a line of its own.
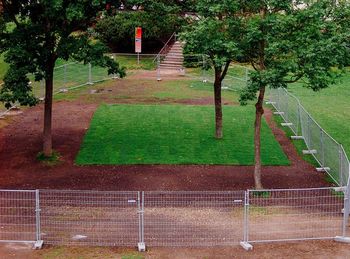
<point x="90" y="218"/>
<point x="18" y="216"/>
<point x="193" y="218"/>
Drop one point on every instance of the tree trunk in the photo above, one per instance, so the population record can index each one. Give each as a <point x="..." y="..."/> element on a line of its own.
<point x="218" y="106"/>
<point x="259" y="111"/>
<point x="47" y="145"/>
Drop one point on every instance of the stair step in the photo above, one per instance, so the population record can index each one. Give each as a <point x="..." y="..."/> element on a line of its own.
<point x="174" y="58"/>
<point x="170" y="66"/>
<point x="173" y="61"/>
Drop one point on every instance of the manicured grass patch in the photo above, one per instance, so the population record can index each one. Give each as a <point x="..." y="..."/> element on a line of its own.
<point x="174" y="134"/>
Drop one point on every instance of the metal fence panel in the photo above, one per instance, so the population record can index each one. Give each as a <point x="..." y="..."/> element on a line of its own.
<point x="193" y="218"/>
<point x="89" y="218"/>
<point x="329" y="154"/>
<point x="280" y="215"/>
<point x="17" y="216"/>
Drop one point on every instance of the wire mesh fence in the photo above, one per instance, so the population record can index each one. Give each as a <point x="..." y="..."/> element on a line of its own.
<point x="193" y="218"/>
<point x="329" y="154"/>
<point x="199" y="67"/>
<point x="172" y="218"/>
<point x="70" y="76"/>
<point x="281" y="215"/>
<point x="17" y="216"/>
<point x="89" y="218"/>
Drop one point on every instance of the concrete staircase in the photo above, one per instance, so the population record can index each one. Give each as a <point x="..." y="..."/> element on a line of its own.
<point x="174" y="59"/>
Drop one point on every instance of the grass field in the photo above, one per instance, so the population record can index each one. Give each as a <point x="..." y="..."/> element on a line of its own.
<point x="3" y="67"/>
<point x="330" y="107"/>
<point x="174" y="134"/>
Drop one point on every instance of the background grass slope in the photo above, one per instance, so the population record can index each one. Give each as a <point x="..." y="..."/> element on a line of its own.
<point x="174" y="134"/>
<point x="330" y="107"/>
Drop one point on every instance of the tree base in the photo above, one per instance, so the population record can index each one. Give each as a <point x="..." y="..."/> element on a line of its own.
<point x="52" y="160"/>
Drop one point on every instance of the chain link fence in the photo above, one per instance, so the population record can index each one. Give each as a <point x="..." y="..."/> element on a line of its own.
<point x="172" y="218"/>
<point x="328" y="153"/>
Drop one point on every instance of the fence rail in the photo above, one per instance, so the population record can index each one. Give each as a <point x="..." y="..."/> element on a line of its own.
<point x="328" y="153"/>
<point x="174" y="219"/>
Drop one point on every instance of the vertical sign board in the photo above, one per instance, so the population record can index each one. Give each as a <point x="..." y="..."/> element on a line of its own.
<point x="138" y="39"/>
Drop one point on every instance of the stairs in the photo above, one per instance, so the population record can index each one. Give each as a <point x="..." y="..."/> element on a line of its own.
<point x="174" y="59"/>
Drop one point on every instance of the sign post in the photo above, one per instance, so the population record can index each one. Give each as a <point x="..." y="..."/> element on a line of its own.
<point x="138" y="42"/>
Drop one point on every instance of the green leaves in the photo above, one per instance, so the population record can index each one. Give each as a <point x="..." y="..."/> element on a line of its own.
<point x="216" y="33"/>
<point x="159" y="20"/>
<point x="34" y="34"/>
<point x="306" y="43"/>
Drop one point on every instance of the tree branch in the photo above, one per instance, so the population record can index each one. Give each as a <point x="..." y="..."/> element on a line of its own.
<point x="294" y="80"/>
<point x="224" y="72"/>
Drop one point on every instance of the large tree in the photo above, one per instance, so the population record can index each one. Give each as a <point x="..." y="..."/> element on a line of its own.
<point x="215" y="32"/>
<point x="34" y="34"/>
<point x="287" y="41"/>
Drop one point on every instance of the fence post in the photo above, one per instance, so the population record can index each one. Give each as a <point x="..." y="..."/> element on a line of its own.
<point x="340" y="165"/>
<point x="38" y="243"/>
<point x="287" y="107"/>
<point x="65" y="76"/>
<point x="141" y="244"/>
<point x="245" y="243"/>
<point x="114" y="57"/>
<point x="308" y="132"/>
<point x="158" y="68"/>
<point x="298" y="120"/>
<point x="90" y="75"/>
<point x="344" y="238"/>
<point x="204" y="70"/>
<point x="42" y="90"/>
<point x="322" y="148"/>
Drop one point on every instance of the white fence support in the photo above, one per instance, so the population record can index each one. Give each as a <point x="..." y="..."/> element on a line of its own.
<point x="39" y="242"/>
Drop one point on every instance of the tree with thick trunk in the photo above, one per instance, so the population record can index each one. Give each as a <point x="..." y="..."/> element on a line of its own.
<point x="284" y="43"/>
<point x="215" y="33"/>
<point x="34" y="34"/>
<point x="259" y="111"/>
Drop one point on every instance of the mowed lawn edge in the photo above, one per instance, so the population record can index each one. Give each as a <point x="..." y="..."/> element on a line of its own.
<point x="175" y="134"/>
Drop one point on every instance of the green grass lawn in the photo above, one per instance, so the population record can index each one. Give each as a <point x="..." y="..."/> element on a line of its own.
<point x="3" y="67"/>
<point x="130" y="62"/>
<point x="330" y="107"/>
<point x="174" y="134"/>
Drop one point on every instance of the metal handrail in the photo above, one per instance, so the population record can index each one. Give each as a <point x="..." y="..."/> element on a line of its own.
<point x="164" y="47"/>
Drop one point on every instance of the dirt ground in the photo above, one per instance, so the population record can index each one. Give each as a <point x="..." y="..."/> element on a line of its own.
<point x="309" y="249"/>
<point x="21" y="140"/>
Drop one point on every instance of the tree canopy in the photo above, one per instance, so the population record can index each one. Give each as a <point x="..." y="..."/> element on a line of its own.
<point x="159" y="19"/>
<point x="214" y="32"/>
<point x="34" y="34"/>
<point x="289" y="41"/>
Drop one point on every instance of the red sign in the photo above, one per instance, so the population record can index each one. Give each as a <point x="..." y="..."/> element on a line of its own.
<point x="138" y="39"/>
